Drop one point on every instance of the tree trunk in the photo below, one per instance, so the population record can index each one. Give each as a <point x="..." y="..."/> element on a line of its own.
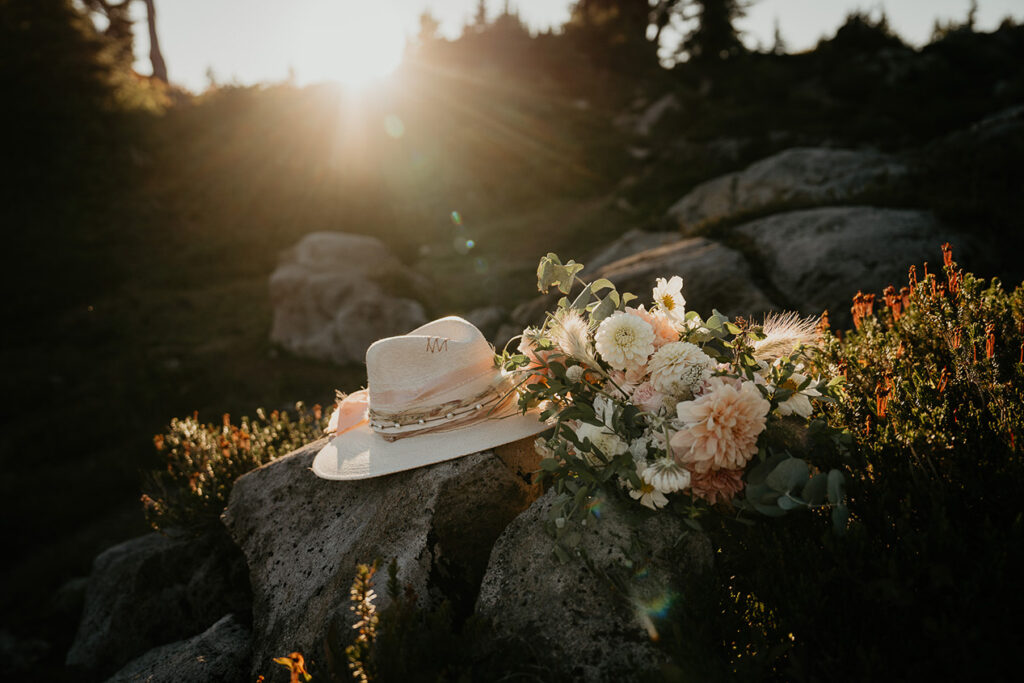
<point x="156" y="58"/>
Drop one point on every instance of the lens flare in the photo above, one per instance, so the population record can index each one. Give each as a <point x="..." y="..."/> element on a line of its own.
<point x="654" y="608"/>
<point x="393" y="126"/>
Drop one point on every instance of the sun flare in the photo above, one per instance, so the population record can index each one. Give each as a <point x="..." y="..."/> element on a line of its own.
<point x="356" y="47"/>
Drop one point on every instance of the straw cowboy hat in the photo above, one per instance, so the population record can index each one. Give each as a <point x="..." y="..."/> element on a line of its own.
<point x="433" y="394"/>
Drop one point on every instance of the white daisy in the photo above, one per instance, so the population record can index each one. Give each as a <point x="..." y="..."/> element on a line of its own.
<point x="625" y="341"/>
<point x="678" y="369"/>
<point x="668" y="296"/>
<point x="799" y="403"/>
<point x="649" y="496"/>
<point x="666" y="475"/>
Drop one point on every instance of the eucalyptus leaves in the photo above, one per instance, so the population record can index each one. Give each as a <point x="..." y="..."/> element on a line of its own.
<point x="676" y="411"/>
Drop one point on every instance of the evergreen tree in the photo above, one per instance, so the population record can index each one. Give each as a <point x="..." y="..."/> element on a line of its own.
<point x="779" y="46"/>
<point x="480" y="16"/>
<point x="621" y="34"/>
<point x="715" y="37"/>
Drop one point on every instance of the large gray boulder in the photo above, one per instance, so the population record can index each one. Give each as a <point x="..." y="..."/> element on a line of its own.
<point x="631" y="242"/>
<point x="818" y="258"/>
<point x="714" y="276"/>
<point x="303" y="537"/>
<point x="217" y="655"/>
<point x="571" y="618"/>
<point x="796" y="178"/>
<point x="334" y="294"/>
<point x="154" y="590"/>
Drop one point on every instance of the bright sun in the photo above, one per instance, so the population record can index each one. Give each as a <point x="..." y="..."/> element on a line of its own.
<point x="356" y="43"/>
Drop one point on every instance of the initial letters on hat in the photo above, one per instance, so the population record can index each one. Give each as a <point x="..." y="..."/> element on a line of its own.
<point x="435" y="344"/>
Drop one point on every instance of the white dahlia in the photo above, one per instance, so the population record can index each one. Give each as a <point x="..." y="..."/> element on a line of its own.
<point x="720" y="428"/>
<point x="624" y="341"/>
<point x="666" y="475"/>
<point x="678" y="369"/>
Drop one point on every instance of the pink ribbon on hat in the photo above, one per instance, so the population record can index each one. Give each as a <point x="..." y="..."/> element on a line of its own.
<point x="349" y="413"/>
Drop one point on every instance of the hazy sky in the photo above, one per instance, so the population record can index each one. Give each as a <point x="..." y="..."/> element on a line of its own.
<point x="259" y="40"/>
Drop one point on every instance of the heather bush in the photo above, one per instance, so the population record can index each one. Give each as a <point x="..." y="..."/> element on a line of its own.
<point x="922" y="584"/>
<point x="204" y="460"/>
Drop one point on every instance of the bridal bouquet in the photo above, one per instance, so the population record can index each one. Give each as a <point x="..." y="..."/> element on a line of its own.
<point x="678" y="411"/>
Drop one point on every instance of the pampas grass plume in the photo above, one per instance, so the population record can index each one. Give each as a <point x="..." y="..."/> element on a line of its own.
<point x="783" y="333"/>
<point x="571" y="334"/>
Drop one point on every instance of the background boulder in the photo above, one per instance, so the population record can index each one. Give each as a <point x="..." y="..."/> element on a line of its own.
<point x="334" y="294"/>
<point x="795" y="178"/>
<point x="714" y="276"/>
<point x="218" y="654"/>
<point x="154" y="590"/>
<point x="818" y="258"/>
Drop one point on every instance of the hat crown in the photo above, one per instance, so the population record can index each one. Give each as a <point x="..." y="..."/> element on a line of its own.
<point x="444" y="360"/>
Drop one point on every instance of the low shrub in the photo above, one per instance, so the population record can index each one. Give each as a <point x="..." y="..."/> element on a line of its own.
<point x="922" y="584"/>
<point x="204" y="460"/>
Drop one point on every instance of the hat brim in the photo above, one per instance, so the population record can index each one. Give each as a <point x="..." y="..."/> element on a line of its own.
<point x="362" y="453"/>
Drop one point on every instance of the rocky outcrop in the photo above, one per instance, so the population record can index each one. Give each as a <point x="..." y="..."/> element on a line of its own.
<point x="714" y="276"/>
<point x="632" y="242"/>
<point x="154" y="590"/>
<point x="334" y="294"/>
<point x="217" y="655"/>
<point x="818" y="258"/>
<point x="303" y="537"/>
<point x="796" y="178"/>
<point x="569" y="617"/>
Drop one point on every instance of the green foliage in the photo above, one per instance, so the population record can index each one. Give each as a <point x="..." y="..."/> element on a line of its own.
<point x="413" y="643"/>
<point x="922" y="584"/>
<point x="202" y="461"/>
<point x="936" y="375"/>
<point x="362" y="596"/>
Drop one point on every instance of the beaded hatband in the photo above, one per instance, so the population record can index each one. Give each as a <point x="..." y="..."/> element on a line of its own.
<point x="493" y="402"/>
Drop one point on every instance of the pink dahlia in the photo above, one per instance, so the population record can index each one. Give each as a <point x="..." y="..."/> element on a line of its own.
<point x="720" y="428"/>
<point x="717" y="486"/>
